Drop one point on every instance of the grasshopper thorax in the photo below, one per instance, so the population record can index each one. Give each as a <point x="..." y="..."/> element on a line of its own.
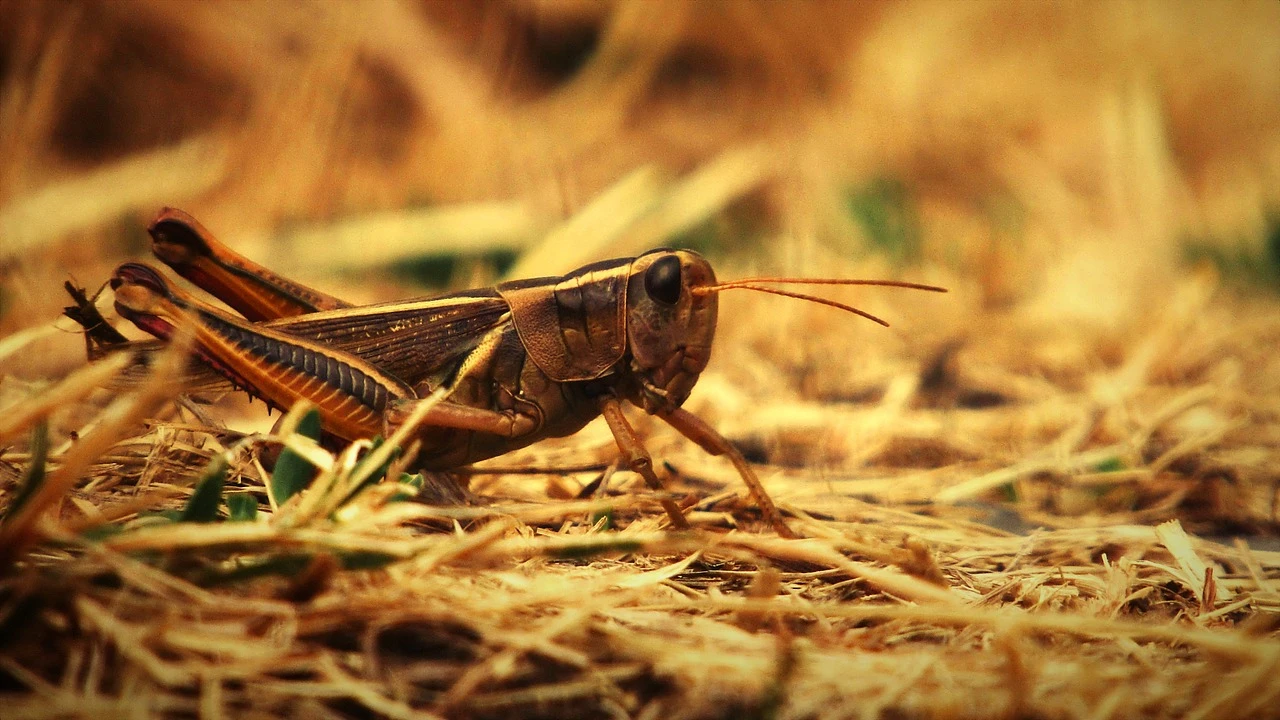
<point x="669" y="327"/>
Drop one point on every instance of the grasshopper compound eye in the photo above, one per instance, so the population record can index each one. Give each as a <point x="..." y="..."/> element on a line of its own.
<point x="662" y="280"/>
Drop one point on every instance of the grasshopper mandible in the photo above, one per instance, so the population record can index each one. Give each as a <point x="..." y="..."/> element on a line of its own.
<point x="521" y="361"/>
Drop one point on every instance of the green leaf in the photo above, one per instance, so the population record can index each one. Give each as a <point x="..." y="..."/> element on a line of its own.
<point x="154" y="517"/>
<point x="887" y="213"/>
<point x="1241" y="259"/>
<point x="1272" y="243"/>
<point x="204" y="502"/>
<point x="409" y="486"/>
<point x="606" y="515"/>
<point x="702" y="238"/>
<point x="1111" y="464"/>
<point x="292" y="472"/>
<point x="1009" y="491"/>
<point x="242" y="507"/>
<point x="290" y="565"/>
<point x="438" y="270"/>
<point x="309" y="425"/>
<point x="102" y="532"/>
<point x="379" y="472"/>
<point x="33" y="478"/>
<point x="287" y="565"/>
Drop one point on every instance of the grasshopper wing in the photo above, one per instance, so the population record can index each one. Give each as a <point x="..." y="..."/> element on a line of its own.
<point x="410" y="339"/>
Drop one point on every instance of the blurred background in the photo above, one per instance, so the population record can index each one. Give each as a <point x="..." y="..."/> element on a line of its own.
<point x="1084" y="176"/>
<point x="1030" y="146"/>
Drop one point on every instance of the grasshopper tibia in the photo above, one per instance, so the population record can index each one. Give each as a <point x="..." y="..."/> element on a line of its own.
<point x="637" y="457"/>
<point x="692" y="427"/>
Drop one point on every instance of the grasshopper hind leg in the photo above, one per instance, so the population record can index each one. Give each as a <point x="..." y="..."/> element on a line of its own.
<point x="255" y="292"/>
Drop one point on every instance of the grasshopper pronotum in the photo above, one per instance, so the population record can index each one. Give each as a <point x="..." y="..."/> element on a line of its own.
<point x="521" y="361"/>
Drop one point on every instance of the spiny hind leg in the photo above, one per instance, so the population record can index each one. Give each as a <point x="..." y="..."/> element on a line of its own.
<point x="257" y="293"/>
<point x="351" y="393"/>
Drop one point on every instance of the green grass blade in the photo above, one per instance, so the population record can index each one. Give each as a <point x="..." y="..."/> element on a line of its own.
<point x="242" y="507"/>
<point x="33" y="478"/>
<point x="292" y="473"/>
<point x="205" y="501"/>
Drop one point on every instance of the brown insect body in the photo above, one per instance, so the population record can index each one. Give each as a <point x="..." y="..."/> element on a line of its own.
<point x="522" y="361"/>
<point x="545" y="368"/>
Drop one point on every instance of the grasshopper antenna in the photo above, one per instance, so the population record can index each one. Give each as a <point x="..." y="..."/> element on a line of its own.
<point x="761" y="284"/>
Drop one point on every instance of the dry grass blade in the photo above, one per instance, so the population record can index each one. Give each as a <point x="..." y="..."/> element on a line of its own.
<point x="402" y="235"/>
<point x="21" y="530"/>
<point x="150" y="180"/>
<point x="29" y="411"/>
<point x="594" y="230"/>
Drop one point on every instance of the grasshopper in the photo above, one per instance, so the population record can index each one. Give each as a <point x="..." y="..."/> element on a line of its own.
<point x="521" y="361"/>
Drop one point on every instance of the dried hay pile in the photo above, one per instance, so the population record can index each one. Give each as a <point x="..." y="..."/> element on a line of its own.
<point x="1050" y="493"/>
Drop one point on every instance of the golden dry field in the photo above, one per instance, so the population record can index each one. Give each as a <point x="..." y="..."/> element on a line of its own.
<point x="1050" y="493"/>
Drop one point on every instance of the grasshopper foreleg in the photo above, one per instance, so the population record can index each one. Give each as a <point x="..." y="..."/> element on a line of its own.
<point x="636" y="456"/>
<point x="693" y="427"/>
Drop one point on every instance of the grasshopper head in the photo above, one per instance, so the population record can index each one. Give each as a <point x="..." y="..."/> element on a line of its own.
<point x="669" y="327"/>
<point x="671" y="319"/>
